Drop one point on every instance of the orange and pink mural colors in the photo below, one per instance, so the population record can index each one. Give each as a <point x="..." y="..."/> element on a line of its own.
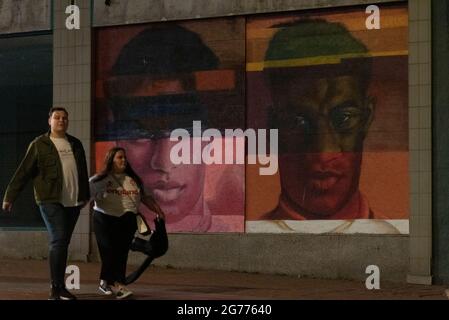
<point x="335" y="92"/>
<point x="152" y="79"/>
<point x="338" y="94"/>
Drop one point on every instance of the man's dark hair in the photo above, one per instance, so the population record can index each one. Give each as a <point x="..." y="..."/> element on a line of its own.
<point x="166" y="51"/>
<point x="53" y="109"/>
<point x="311" y="38"/>
<point x="161" y="52"/>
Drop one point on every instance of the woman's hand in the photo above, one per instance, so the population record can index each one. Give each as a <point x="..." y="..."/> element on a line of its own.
<point x="153" y="206"/>
<point x="160" y="215"/>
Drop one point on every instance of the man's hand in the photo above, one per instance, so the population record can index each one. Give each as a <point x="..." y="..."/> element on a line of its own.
<point x="7" y="206"/>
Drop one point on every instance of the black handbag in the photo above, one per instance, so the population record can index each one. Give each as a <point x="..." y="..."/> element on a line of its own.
<point x="155" y="247"/>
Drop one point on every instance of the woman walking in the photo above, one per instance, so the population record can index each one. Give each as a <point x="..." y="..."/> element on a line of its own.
<point x="118" y="192"/>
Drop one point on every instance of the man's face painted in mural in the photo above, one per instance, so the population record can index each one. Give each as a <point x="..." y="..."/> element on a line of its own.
<point x="178" y="189"/>
<point x="323" y="123"/>
<point x="154" y="87"/>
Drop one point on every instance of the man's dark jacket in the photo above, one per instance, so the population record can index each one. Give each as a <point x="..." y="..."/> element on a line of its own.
<point x="42" y="164"/>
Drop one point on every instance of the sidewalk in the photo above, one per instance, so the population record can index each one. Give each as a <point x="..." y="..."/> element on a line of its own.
<point x="28" y="280"/>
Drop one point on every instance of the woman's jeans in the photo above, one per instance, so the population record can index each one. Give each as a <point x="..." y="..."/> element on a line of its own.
<point x="114" y="236"/>
<point x="60" y="222"/>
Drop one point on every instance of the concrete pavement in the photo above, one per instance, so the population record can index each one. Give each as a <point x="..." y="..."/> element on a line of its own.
<point x="28" y="280"/>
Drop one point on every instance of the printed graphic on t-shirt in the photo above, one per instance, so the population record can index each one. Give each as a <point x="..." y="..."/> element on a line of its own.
<point x="113" y="189"/>
<point x="65" y="152"/>
<point x="119" y="194"/>
<point x="69" y="193"/>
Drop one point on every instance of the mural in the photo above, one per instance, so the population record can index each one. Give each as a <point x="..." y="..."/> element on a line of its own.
<point x="152" y="79"/>
<point x="338" y="93"/>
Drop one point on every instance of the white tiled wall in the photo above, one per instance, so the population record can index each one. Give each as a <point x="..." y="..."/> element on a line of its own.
<point x="72" y="90"/>
<point x="420" y="142"/>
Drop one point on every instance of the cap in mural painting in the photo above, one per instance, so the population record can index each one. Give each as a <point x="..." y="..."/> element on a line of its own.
<point x="313" y="38"/>
<point x="317" y="48"/>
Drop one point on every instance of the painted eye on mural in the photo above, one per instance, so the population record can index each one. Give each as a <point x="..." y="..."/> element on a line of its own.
<point x="300" y="121"/>
<point x="302" y="124"/>
<point x="346" y="118"/>
<point x="298" y="124"/>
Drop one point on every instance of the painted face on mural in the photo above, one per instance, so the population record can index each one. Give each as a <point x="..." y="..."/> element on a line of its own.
<point x="322" y="124"/>
<point x="154" y="92"/>
<point x="177" y="188"/>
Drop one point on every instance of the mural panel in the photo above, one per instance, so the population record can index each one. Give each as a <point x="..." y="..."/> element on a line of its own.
<point x="335" y="91"/>
<point x="153" y="79"/>
<point x="338" y="94"/>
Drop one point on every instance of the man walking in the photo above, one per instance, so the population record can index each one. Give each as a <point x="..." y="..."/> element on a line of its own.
<point x="56" y="163"/>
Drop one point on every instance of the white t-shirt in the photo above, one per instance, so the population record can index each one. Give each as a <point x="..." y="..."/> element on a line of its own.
<point x="114" y="197"/>
<point x="69" y="194"/>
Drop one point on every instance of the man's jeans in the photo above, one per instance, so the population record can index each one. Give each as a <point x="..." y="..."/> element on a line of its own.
<point x="60" y="222"/>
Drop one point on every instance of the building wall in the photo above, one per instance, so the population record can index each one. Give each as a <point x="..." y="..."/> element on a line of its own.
<point x="72" y="89"/>
<point x="137" y="11"/>
<point x="301" y="255"/>
<point x="440" y="136"/>
<point x="420" y="123"/>
<point x="24" y="16"/>
<point x="242" y="246"/>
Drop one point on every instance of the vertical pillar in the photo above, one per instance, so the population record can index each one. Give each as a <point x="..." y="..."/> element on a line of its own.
<point x="72" y="90"/>
<point x="420" y="142"/>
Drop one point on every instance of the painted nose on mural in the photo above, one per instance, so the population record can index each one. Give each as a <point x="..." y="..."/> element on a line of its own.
<point x="325" y="142"/>
<point x="324" y="139"/>
<point x="160" y="159"/>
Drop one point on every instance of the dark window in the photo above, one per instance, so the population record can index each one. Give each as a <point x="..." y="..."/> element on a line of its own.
<point x="26" y="91"/>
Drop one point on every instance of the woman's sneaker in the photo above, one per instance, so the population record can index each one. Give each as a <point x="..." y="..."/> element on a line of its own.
<point x="65" y="294"/>
<point x="123" y="292"/>
<point x="105" y="288"/>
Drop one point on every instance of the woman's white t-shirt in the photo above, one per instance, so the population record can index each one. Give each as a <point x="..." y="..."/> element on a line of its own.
<point x="115" y="195"/>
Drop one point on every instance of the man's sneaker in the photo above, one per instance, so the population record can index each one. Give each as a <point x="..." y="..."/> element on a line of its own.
<point x="123" y="292"/>
<point x="105" y="288"/>
<point x="64" y="294"/>
<point x="60" y="293"/>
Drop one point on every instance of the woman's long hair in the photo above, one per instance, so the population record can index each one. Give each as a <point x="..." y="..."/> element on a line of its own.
<point x="109" y="165"/>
